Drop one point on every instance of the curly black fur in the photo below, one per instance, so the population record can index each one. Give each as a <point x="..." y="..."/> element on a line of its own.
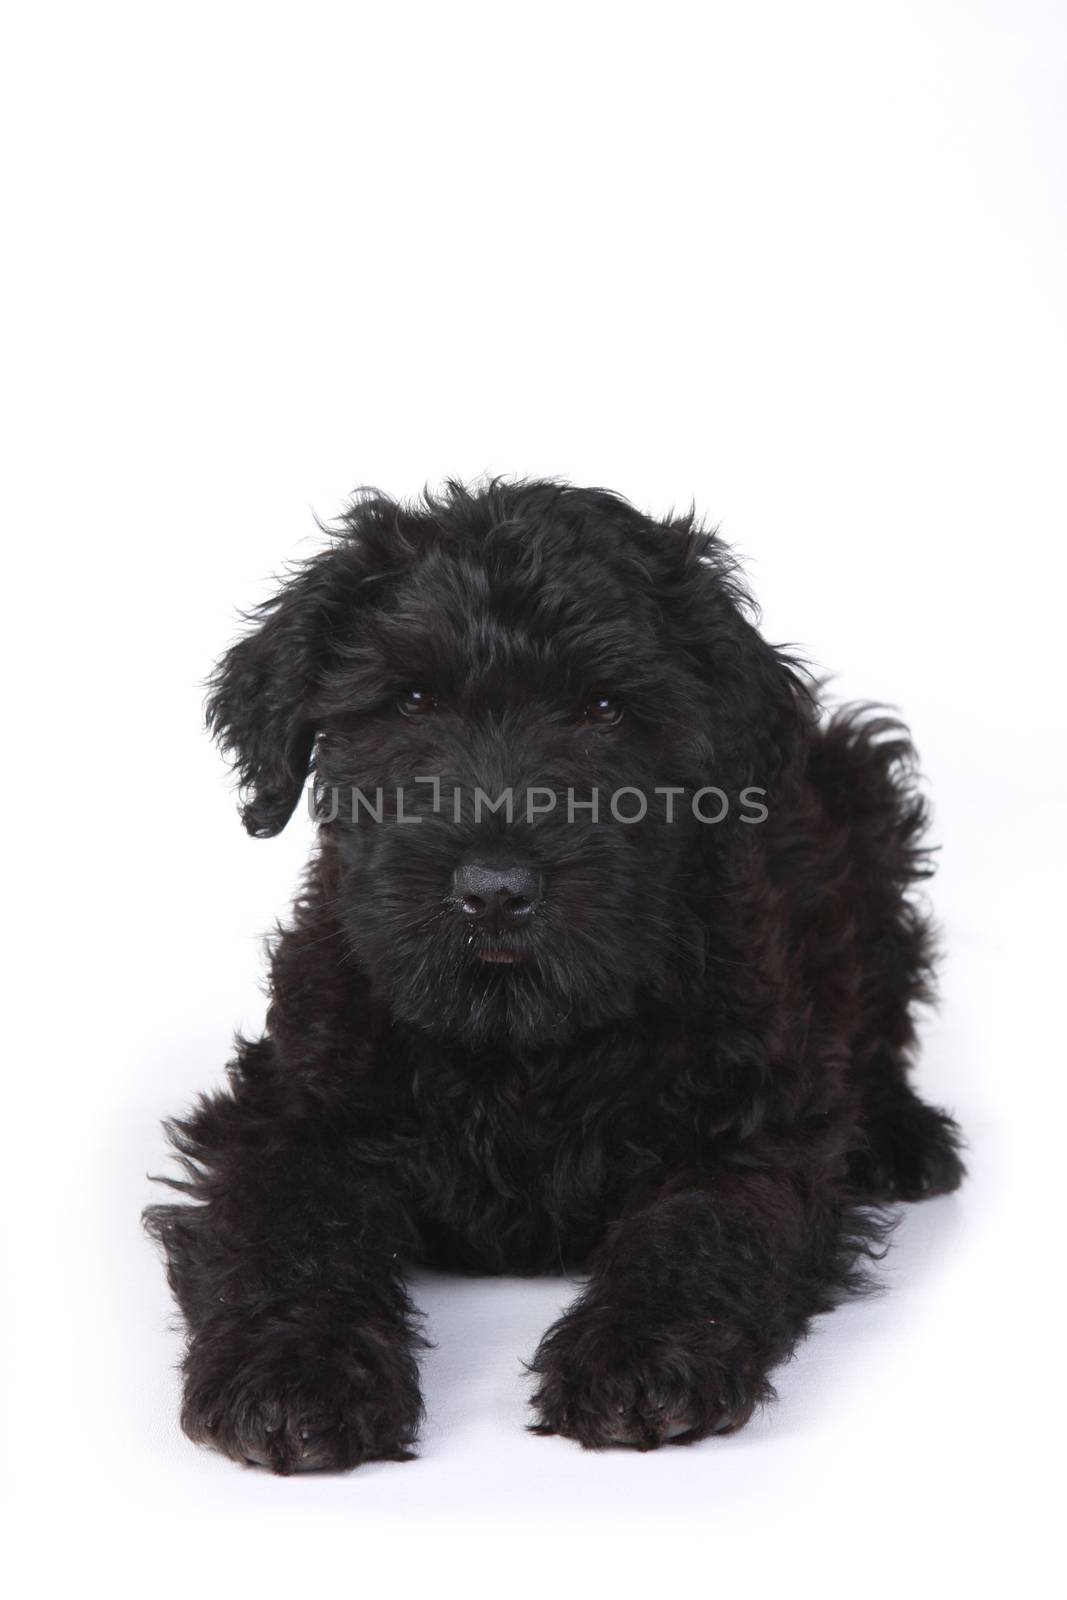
<point x="685" y="1073"/>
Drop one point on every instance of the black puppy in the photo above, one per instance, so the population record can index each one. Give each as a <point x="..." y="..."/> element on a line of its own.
<point x="605" y="962"/>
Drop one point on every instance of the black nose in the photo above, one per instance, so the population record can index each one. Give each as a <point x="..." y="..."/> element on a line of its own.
<point x="503" y="897"/>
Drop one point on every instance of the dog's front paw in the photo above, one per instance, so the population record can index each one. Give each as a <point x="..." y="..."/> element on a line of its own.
<point x="617" y="1377"/>
<point x="292" y="1409"/>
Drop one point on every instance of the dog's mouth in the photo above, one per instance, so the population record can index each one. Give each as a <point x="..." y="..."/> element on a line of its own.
<point x="495" y="948"/>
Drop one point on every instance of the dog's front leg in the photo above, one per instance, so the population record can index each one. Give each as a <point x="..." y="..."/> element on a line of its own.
<point x="301" y="1337"/>
<point x="692" y="1300"/>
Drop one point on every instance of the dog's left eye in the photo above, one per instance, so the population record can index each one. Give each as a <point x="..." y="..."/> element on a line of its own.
<point x="606" y="713"/>
<point x="416" y="703"/>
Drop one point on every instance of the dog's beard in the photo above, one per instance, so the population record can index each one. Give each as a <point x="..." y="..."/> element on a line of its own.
<point x="541" y="998"/>
<point x="609" y="936"/>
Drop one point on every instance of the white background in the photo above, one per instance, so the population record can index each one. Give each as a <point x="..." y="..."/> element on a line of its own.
<point x="804" y="264"/>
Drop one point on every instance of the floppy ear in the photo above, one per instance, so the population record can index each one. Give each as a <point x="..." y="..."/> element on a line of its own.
<point x="763" y="705"/>
<point x="261" y="693"/>
<point x="767" y="707"/>
<point x="257" y="707"/>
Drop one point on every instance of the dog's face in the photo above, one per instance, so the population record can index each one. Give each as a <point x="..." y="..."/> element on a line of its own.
<point x="510" y="700"/>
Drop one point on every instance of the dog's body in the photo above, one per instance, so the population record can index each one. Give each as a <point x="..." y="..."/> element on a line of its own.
<point x="670" y="1052"/>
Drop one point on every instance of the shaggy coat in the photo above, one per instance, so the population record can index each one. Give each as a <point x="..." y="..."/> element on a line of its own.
<point x="667" y="1048"/>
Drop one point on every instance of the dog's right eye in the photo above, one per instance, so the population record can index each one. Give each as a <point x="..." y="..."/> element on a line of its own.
<point x="604" y="712"/>
<point x="416" y="703"/>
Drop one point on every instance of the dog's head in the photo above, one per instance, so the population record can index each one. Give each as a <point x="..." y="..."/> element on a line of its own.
<point x="525" y="708"/>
